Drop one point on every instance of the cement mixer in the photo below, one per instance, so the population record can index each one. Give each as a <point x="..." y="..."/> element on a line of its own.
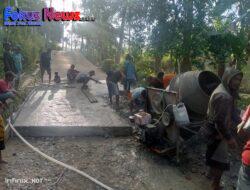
<point x="189" y="91"/>
<point x="194" y="89"/>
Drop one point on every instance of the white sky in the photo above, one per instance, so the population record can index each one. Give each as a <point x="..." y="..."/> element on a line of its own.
<point x="58" y="4"/>
<point x="67" y="5"/>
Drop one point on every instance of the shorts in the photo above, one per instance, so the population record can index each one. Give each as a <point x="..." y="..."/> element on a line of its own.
<point x="113" y="88"/>
<point x="2" y="145"/>
<point x="129" y="83"/>
<point x="47" y="69"/>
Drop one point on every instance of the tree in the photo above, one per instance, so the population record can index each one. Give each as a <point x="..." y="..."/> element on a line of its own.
<point x="31" y="39"/>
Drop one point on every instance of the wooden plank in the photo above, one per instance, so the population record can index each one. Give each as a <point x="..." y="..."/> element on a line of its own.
<point x="90" y="96"/>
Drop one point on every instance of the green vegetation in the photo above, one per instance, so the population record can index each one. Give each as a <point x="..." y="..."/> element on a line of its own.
<point x="178" y="35"/>
<point x="31" y="39"/>
<point x="184" y="34"/>
<point x="244" y="101"/>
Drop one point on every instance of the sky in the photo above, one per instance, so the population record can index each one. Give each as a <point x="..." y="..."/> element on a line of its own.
<point x="58" y="4"/>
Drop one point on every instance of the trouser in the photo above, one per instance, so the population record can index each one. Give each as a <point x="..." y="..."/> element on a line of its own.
<point x="243" y="178"/>
<point x="129" y="82"/>
<point x="217" y="154"/>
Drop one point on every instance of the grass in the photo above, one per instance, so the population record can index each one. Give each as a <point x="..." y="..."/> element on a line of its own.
<point x="245" y="97"/>
<point x="244" y="101"/>
<point x="245" y="87"/>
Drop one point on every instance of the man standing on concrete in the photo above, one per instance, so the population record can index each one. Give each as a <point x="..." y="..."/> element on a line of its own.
<point x="221" y="109"/>
<point x="45" y="64"/>
<point x="129" y="72"/>
<point x="113" y="77"/>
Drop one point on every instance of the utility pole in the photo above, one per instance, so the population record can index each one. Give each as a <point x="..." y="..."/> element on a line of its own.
<point x="63" y="28"/>
<point x="71" y="39"/>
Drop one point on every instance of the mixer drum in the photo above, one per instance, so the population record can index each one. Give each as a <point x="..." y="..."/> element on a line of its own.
<point x="195" y="89"/>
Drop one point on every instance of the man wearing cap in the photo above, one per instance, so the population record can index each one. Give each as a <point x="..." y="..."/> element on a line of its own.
<point x="221" y="117"/>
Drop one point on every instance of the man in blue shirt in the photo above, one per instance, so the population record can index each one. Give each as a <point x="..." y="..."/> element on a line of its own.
<point x="18" y="59"/>
<point x="130" y="72"/>
<point x="138" y="98"/>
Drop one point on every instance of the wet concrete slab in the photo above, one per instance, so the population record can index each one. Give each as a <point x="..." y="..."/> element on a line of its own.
<point x="63" y="110"/>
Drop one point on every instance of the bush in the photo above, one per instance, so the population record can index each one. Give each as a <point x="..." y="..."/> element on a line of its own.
<point x="108" y="64"/>
<point x="30" y="49"/>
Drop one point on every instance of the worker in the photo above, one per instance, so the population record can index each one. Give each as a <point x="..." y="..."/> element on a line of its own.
<point x="220" y="118"/>
<point x="154" y="82"/>
<point x="6" y="90"/>
<point x="129" y="72"/>
<point x="138" y="99"/>
<point x="18" y="62"/>
<point x="167" y="78"/>
<point x="85" y="78"/>
<point x="45" y="64"/>
<point x="72" y="73"/>
<point x="113" y="77"/>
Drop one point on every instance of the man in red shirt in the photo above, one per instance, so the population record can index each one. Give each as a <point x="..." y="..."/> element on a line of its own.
<point x="167" y="78"/>
<point x="154" y="82"/>
<point x="6" y="90"/>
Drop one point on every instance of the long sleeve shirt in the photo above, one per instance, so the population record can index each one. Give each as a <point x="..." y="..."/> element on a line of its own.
<point x="222" y="108"/>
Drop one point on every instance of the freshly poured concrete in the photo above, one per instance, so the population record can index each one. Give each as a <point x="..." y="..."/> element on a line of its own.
<point x="63" y="110"/>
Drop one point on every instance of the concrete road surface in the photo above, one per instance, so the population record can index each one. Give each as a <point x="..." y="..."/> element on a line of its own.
<point x="63" y="110"/>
